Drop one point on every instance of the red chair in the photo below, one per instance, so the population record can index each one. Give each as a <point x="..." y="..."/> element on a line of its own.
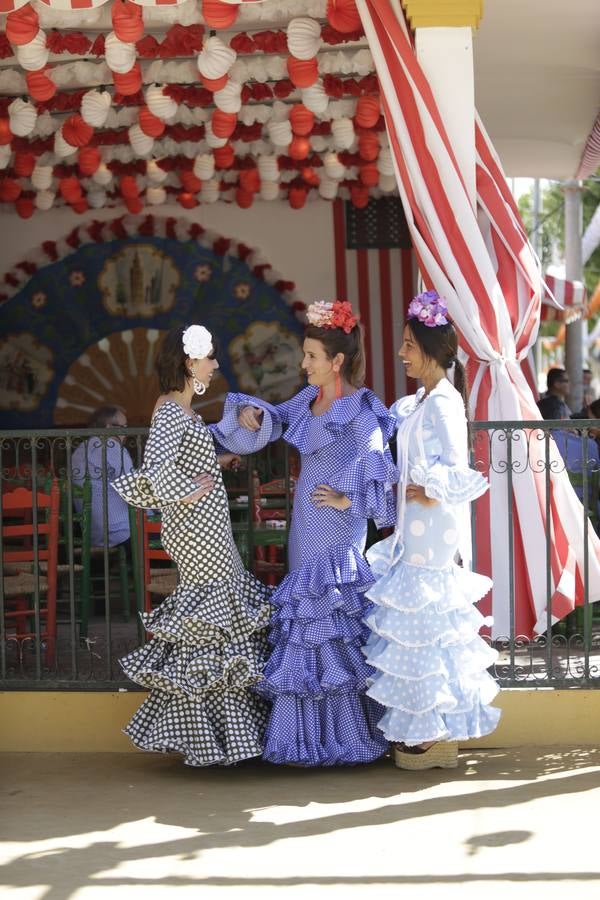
<point x="20" y="533"/>
<point x="269" y="543"/>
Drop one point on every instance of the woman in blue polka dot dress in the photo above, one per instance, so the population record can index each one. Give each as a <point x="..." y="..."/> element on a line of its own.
<point x="316" y="675"/>
<point x="429" y="659"/>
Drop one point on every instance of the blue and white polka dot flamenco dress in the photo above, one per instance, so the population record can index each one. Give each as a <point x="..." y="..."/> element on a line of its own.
<point x="316" y="676"/>
<point x="425" y="646"/>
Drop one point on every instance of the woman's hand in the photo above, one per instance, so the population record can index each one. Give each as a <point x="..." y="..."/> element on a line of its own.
<point x="417" y="493"/>
<point x="250" y="418"/>
<point x="229" y="461"/>
<point x="205" y="484"/>
<point x="323" y="495"/>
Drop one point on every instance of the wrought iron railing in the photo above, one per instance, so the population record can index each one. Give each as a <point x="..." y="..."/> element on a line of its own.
<point x="84" y="651"/>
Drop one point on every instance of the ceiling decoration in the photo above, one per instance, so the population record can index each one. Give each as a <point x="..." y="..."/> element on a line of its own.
<point x="140" y="103"/>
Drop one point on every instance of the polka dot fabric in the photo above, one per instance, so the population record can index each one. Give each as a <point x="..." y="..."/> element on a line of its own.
<point x="316" y="675"/>
<point x="430" y="663"/>
<point x="209" y="637"/>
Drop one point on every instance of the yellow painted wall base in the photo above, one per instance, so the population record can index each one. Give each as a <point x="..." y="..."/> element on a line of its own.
<point x="87" y="722"/>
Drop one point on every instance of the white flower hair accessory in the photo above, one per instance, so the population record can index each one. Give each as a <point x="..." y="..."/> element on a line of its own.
<point x="197" y="342"/>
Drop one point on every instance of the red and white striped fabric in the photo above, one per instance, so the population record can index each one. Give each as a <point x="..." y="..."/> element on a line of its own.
<point x="379" y="284"/>
<point x="570" y="295"/>
<point x="590" y="158"/>
<point x="490" y="276"/>
<point x="8" y="6"/>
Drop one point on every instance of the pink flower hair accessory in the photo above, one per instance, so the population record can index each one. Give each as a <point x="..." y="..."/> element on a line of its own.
<point x="332" y="315"/>
<point x="429" y="308"/>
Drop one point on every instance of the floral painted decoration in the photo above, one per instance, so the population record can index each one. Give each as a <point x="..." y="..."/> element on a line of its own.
<point x="429" y="308"/>
<point x="203" y="273"/>
<point x="77" y="278"/>
<point x="197" y="342"/>
<point x="332" y="315"/>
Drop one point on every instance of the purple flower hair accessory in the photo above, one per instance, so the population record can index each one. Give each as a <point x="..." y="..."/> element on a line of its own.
<point x="429" y="308"/>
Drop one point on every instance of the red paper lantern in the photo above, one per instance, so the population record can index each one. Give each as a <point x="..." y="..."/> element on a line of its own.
<point x="24" y="207"/>
<point x="22" y="25"/>
<point x="76" y="132"/>
<point x="191" y="183"/>
<point x="367" y="111"/>
<point x="9" y="190"/>
<point x="244" y="199"/>
<point x="70" y="189"/>
<point x="128" y="187"/>
<point x="219" y="15"/>
<point x="127" y="21"/>
<point x="5" y="132"/>
<point x="88" y="160"/>
<point x="224" y="157"/>
<point x="310" y="176"/>
<point x="130" y="82"/>
<point x="299" y="148"/>
<point x="369" y="174"/>
<point x="187" y="200"/>
<point x="214" y="84"/>
<point x="303" y="72"/>
<point x="134" y="205"/>
<point x="301" y="119"/>
<point x="223" y="123"/>
<point x="40" y="86"/>
<point x="368" y="146"/>
<point x="149" y="123"/>
<point x="24" y="164"/>
<point x="343" y="15"/>
<point x="250" y="180"/>
<point x="359" y="194"/>
<point x="80" y="206"/>
<point x="297" y="197"/>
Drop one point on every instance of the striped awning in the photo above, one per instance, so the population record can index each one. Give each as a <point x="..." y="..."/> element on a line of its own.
<point x="590" y="159"/>
<point x="563" y="300"/>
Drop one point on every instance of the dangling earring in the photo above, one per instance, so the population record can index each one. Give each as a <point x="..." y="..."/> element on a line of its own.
<point x="199" y="386"/>
<point x="338" y="385"/>
<point x="320" y="395"/>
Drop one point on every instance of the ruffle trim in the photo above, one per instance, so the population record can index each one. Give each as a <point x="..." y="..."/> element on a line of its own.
<point x="368" y="483"/>
<point x="153" y="488"/>
<point x="449" y="484"/>
<point x="230" y="434"/>
<point x="398" y="725"/>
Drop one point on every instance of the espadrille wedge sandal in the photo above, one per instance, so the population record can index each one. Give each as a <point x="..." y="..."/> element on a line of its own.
<point x="442" y="755"/>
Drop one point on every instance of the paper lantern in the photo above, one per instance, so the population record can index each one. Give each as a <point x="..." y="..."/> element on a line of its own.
<point x="303" y="38"/>
<point x="385" y="162"/>
<point x="204" y="166"/>
<point x="223" y="124"/>
<point x="343" y="15"/>
<point x="33" y="55"/>
<point x="24" y="164"/>
<point x="9" y="190"/>
<point x="333" y="167"/>
<point x="128" y="83"/>
<point x="244" y="199"/>
<point x="187" y="200"/>
<point x="40" y="86"/>
<point x="302" y="119"/>
<point x="250" y="180"/>
<point x="120" y="55"/>
<point x="44" y="200"/>
<point x="141" y="143"/>
<point x="76" y="132"/>
<point x="280" y="133"/>
<point x="154" y="172"/>
<point x="102" y="175"/>
<point x="297" y="197"/>
<point x="269" y="190"/>
<point x="216" y="58"/>
<point x="299" y="148"/>
<point x="5" y="154"/>
<point x="359" y="195"/>
<point x="61" y="147"/>
<point x="127" y="21"/>
<point x="368" y="146"/>
<point x="24" y="207"/>
<point x="211" y="139"/>
<point x="95" y="106"/>
<point x="96" y="199"/>
<point x="229" y="98"/>
<point x="210" y="191"/>
<point x="189" y="181"/>
<point x="310" y="176"/>
<point x="70" y="189"/>
<point x="128" y="187"/>
<point x="369" y="174"/>
<point x="315" y="98"/>
<point x="22" y="25"/>
<point x="303" y="72"/>
<point x="224" y="157"/>
<point x="22" y="117"/>
<point x="41" y="177"/>
<point x="155" y="196"/>
<point x="80" y="206"/>
<point x="343" y="133"/>
<point x="149" y="123"/>
<point x="387" y="183"/>
<point x="214" y="84"/>
<point x="268" y="168"/>
<point x="219" y="15"/>
<point x="134" y="205"/>
<point x="5" y="132"/>
<point x="159" y="103"/>
<point x="88" y="160"/>
<point x="367" y="111"/>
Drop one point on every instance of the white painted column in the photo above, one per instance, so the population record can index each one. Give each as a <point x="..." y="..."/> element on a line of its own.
<point x="574" y="272"/>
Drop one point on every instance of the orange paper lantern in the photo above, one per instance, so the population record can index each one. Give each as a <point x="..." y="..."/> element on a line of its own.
<point x="297" y="197"/>
<point x="187" y="200"/>
<point x="129" y="187"/>
<point x="368" y="146"/>
<point x="343" y="15"/>
<point x="359" y="194"/>
<point x="224" y="157"/>
<point x="149" y="123"/>
<point x="22" y="25"/>
<point x="88" y="160"/>
<point x="367" y="111"/>
<point x="299" y="148"/>
<point x="9" y="190"/>
<point x="80" y="206"/>
<point x="369" y="174"/>
<point x="127" y="21"/>
<point x="76" y="132"/>
<point x="134" y="205"/>
<point x="24" y="164"/>
<point x="303" y="72"/>
<point x="214" y="84"/>
<point x="223" y="123"/>
<point x="40" y="86"/>
<point x="24" y="207"/>
<point x="191" y="182"/>
<point x="301" y="119"/>
<point x="250" y="180"/>
<point x="219" y="15"/>
<point x="128" y="83"/>
<point x="244" y="199"/>
<point x="310" y="176"/>
<point x="70" y="189"/>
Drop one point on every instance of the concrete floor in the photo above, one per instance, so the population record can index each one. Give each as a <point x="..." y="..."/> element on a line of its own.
<point x="506" y="823"/>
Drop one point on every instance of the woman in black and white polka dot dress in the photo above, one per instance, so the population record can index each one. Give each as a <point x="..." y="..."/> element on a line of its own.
<point x="209" y="636"/>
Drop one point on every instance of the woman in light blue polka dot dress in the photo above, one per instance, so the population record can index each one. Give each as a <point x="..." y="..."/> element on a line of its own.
<point x="316" y="676"/>
<point x="429" y="659"/>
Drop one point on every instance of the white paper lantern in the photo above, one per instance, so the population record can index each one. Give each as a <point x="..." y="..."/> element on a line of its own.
<point x="102" y="175"/>
<point x="34" y="55"/>
<point x="269" y="190"/>
<point x="343" y="133"/>
<point x="211" y="139"/>
<point x="44" y="200"/>
<point x="315" y="98"/>
<point x="384" y="162"/>
<point x="159" y="103"/>
<point x="120" y="55"/>
<point x="215" y="59"/>
<point x="155" y="195"/>
<point x="61" y="147"/>
<point x="268" y="168"/>
<point x="22" y="117"/>
<point x="96" y="198"/>
<point x="141" y="143"/>
<point x="387" y="183"/>
<point x="154" y="173"/>
<point x="41" y="177"/>
<point x="204" y="166"/>
<point x="328" y="188"/>
<point x="303" y="37"/>
<point x="333" y="167"/>
<point x="209" y="192"/>
<point x="280" y="133"/>
<point x="4" y="155"/>
<point x="229" y="99"/>
<point x="95" y="106"/>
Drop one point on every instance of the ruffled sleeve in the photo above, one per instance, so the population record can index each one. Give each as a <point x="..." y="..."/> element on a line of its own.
<point x="160" y="482"/>
<point x="228" y="433"/>
<point x="449" y="479"/>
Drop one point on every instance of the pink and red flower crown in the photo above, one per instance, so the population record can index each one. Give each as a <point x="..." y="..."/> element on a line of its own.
<point x="332" y="315"/>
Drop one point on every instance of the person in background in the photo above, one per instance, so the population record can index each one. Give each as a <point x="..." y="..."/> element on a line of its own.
<point x="588" y="395"/>
<point x="87" y="462"/>
<point x="556" y="395"/>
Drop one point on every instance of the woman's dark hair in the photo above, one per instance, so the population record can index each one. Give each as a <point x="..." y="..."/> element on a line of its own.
<point x="101" y="417"/>
<point x="171" y="361"/>
<point x="595" y="409"/>
<point x="440" y="343"/>
<point x="334" y="341"/>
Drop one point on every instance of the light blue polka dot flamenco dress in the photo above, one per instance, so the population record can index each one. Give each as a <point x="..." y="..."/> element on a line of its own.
<point x="425" y="646"/>
<point x="317" y="675"/>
